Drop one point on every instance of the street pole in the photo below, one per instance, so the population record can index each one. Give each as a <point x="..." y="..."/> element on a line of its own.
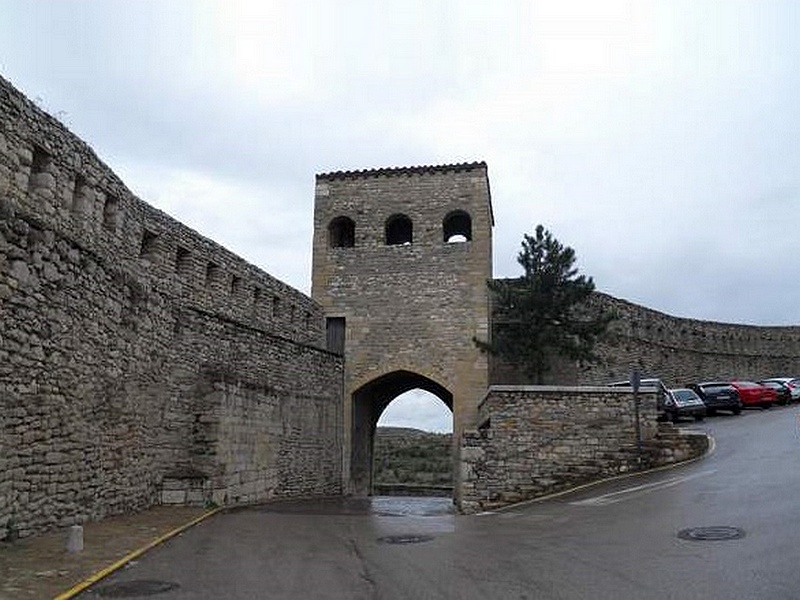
<point x="635" y="383"/>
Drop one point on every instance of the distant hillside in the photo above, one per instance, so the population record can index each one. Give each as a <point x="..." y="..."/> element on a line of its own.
<point x="410" y="456"/>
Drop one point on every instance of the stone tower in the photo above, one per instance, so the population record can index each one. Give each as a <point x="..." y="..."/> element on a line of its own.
<point x="400" y="264"/>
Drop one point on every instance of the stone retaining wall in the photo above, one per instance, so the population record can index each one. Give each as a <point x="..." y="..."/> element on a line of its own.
<point x="536" y="440"/>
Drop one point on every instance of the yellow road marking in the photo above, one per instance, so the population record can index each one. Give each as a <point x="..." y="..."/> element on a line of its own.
<point x="76" y="589"/>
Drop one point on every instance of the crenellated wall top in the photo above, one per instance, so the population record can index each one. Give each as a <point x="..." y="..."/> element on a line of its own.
<point x="49" y="175"/>
<point x="639" y="322"/>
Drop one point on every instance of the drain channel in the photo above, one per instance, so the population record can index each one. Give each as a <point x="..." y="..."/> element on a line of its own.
<point x="405" y="539"/>
<point x="139" y="587"/>
<point x="711" y="534"/>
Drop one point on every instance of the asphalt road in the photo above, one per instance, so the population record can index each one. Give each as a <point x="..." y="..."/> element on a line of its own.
<point x="616" y="540"/>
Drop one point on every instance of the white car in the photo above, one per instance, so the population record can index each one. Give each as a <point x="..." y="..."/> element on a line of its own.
<point x="652" y="383"/>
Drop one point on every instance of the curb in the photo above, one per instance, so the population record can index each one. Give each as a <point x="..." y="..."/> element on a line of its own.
<point x="92" y="579"/>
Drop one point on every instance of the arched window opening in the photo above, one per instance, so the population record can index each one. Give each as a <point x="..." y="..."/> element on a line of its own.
<point x="457" y="227"/>
<point x="399" y="230"/>
<point x="342" y="233"/>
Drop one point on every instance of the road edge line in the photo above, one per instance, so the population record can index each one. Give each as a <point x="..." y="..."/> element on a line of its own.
<point x="102" y="573"/>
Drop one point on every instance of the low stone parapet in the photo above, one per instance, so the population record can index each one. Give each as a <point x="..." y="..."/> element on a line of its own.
<point x="538" y="440"/>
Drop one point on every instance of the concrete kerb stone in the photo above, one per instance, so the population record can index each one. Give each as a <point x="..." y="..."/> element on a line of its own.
<point x="711" y="448"/>
<point x="103" y="573"/>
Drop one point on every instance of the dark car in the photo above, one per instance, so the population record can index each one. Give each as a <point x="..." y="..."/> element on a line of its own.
<point x="783" y="393"/>
<point x="684" y="402"/>
<point x="718" y="395"/>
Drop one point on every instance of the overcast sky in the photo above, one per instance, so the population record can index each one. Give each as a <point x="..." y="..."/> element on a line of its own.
<point x="661" y="140"/>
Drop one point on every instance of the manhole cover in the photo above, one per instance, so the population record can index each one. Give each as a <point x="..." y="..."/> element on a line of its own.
<point x="405" y="539"/>
<point x="141" y="587"/>
<point x="711" y="534"/>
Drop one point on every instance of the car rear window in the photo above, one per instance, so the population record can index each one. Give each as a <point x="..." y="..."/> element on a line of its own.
<point x="684" y="395"/>
<point x="715" y="389"/>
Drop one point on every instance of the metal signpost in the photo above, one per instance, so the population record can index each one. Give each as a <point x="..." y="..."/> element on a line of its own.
<point x="636" y="381"/>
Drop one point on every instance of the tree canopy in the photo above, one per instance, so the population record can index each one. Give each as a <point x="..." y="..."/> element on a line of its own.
<point x="546" y="312"/>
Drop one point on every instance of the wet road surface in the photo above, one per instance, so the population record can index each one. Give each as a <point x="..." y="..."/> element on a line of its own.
<point x="724" y="527"/>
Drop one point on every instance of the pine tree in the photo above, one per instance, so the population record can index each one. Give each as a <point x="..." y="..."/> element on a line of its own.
<point x="546" y="312"/>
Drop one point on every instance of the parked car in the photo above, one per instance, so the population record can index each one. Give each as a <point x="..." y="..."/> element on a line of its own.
<point x="718" y="395"/>
<point x="684" y="402"/>
<point x="651" y="383"/>
<point x="792" y="382"/>
<point x="754" y="394"/>
<point x="783" y="395"/>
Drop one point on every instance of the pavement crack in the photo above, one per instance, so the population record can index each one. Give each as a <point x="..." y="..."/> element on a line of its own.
<point x="363" y="569"/>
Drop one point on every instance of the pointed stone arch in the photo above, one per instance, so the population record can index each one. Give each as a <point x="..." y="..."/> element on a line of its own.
<point x="368" y="403"/>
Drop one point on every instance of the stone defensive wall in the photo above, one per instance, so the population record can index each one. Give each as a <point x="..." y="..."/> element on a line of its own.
<point x="139" y="361"/>
<point x="537" y="440"/>
<point x="675" y="349"/>
<point x="680" y="350"/>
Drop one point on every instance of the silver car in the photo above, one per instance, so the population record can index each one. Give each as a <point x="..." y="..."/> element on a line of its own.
<point x="793" y="383"/>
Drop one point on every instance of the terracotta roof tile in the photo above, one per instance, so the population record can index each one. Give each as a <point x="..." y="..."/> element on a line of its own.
<point x="398" y="171"/>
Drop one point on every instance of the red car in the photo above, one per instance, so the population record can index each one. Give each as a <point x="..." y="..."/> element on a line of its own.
<point x="754" y="394"/>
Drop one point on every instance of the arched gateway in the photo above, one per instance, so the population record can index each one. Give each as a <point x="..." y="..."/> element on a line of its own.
<point x="368" y="403"/>
<point x="401" y="261"/>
